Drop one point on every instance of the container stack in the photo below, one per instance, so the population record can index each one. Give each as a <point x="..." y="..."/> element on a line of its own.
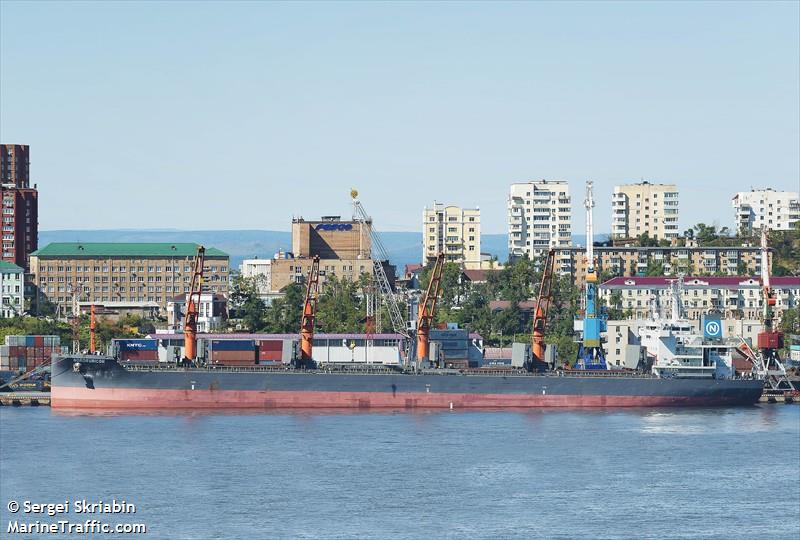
<point x="270" y="352"/>
<point x="24" y="353"/>
<point x="137" y="350"/>
<point x="232" y="352"/>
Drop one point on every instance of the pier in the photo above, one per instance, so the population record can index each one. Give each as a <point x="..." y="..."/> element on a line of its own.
<point x="16" y="399"/>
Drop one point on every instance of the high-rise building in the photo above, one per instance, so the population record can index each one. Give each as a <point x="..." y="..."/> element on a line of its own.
<point x="645" y="208"/>
<point x="454" y="231"/>
<point x="15" y="165"/>
<point x="20" y="205"/>
<point x="539" y="217"/>
<point x="775" y="210"/>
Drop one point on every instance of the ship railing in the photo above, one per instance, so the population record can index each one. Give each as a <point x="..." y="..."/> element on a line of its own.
<point x="376" y="370"/>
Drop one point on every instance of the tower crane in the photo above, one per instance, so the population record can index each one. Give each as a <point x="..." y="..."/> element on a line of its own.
<point x="543" y="302"/>
<point x="590" y="350"/>
<point x="769" y="339"/>
<point x="309" y="318"/>
<point x="193" y="306"/>
<point x="427" y="310"/>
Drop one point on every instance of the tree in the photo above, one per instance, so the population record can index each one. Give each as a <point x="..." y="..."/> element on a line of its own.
<point x="644" y="240"/>
<point x="655" y="268"/>
<point x="340" y="309"/>
<point x="246" y="305"/>
<point x="283" y="315"/>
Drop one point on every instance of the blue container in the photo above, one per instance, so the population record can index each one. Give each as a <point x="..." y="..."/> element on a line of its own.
<point x="137" y="344"/>
<point x="233" y="345"/>
<point x="29" y="342"/>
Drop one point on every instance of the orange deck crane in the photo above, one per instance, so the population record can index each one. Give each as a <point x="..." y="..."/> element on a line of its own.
<point x="309" y="317"/>
<point x="427" y="309"/>
<point x="193" y="306"/>
<point x="92" y="330"/>
<point x="543" y="302"/>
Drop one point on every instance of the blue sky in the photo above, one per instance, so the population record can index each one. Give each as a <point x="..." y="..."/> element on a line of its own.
<point x="241" y="115"/>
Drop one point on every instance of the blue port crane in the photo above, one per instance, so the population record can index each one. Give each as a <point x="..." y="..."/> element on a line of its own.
<point x="590" y="350"/>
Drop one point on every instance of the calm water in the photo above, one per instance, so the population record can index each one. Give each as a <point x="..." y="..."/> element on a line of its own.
<point x="694" y="473"/>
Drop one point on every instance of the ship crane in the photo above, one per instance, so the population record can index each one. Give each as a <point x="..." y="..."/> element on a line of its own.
<point x="590" y="349"/>
<point x="543" y="303"/>
<point x="768" y="363"/>
<point x="427" y="311"/>
<point x="309" y="318"/>
<point x="378" y="255"/>
<point x="193" y="307"/>
<point x="92" y="330"/>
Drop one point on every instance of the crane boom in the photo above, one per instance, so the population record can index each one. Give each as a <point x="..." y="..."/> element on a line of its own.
<point x="427" y="309"/>
<point x="543" y="302"/>
<point x="589" y="204"/>
<point x="193" y="306"/>
<point x="92" y="330"/>
<point x="378" y="254"/>
<point x="309" y="318"/>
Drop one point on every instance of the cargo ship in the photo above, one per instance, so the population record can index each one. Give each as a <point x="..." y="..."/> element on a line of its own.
<point x="92" y="382"/>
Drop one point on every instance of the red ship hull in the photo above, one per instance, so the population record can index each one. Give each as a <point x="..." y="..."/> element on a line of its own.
<point x="110" y="398"/>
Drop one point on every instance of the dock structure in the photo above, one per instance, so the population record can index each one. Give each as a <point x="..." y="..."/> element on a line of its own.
<point x="778" y="396"/>
<point x="16" y="399"/>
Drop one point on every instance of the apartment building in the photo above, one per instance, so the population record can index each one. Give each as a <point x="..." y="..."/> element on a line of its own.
<point x="20" y="205"/>
<point x="634" y="260"/>
<point x="539" y="217"/>
<point x="12" y="287"/>
<point x="645" y="208"/>
<point x="735" y="297"/>
<point x="775" y="210"/>
<point x="123" y="272"/>
<point x="454" y="231"/>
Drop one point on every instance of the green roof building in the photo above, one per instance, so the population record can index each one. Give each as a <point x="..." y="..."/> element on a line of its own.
<point x="116" y="273"/>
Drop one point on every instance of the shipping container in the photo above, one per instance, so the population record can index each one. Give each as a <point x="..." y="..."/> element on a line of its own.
<point x="136" y="344"/>
<point x="233" y="345"/>
<point x="270" y="355"/>
<point x="270" y="344"/>
<point x="139" y="355"/>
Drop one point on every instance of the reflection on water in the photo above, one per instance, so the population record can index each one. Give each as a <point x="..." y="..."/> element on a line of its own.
<point x="405" y="475"/>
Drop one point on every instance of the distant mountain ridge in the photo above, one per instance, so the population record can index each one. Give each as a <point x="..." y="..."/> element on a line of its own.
<point x="403" y="247"/>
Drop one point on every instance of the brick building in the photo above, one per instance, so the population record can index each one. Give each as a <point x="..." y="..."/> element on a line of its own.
<point x="344" y="249"/>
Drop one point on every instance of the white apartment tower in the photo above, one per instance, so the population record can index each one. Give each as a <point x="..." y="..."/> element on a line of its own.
<point x="642" y="208"/>
<point x="539" y="217"/>
<point x="776" y="210"/>
<point x="454" y="231"/>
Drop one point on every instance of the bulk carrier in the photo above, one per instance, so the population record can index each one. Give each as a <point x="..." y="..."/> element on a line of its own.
<point x="421" y="380"/>
<point x="102" y="382"/>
